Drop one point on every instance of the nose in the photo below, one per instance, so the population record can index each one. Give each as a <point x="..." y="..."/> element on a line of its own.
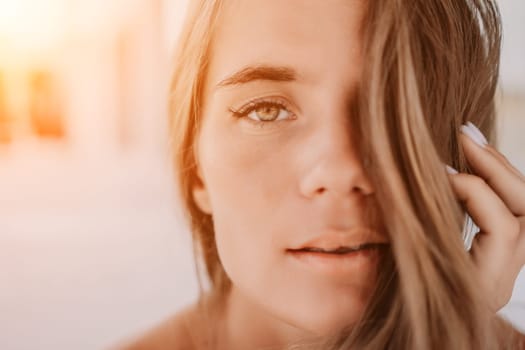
<point x="334" y="166"/>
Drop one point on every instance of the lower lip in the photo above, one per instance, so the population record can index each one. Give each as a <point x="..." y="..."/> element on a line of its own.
<point x="338" y="265"/>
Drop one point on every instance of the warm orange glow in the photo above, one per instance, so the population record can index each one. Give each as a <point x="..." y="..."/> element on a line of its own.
<point x="32" y="25"/>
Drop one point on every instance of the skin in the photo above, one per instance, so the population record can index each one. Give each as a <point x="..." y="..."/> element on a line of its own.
<point x="494" y="197"/>
<point x="269" y="187"/>
<point x="272" y="186"/>
<point x="301" y="166"/>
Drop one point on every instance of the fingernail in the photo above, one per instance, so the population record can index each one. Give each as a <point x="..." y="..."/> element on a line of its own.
<point x="471" y="133"/>
<point x="478" y="132"/>
<point x="451" y="170"/>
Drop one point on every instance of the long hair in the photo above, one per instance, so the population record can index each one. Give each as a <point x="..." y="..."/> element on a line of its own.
<point x="431" y="66"/>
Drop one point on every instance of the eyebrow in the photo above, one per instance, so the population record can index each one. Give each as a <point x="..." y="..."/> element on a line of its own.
<point x="260" y="72"/>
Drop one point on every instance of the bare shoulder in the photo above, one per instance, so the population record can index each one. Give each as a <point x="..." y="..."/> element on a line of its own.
<point x="173" y="333"/>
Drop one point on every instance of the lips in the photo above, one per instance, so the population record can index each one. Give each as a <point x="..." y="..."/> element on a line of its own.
<point x="343" y="242"/>
<point x="339" y="250"/>
<point x="334" y="259"/>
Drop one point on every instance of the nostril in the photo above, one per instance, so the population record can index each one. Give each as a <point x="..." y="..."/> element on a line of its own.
<point x="359" y="190"/>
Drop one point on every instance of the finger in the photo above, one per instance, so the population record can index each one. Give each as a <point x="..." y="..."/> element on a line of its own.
<point x="486" y="208"/>
<point x="508" y="186"/>
<point x="499" y="229"/>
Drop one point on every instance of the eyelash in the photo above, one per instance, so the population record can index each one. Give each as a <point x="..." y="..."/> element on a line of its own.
<point x="242" y="113"/>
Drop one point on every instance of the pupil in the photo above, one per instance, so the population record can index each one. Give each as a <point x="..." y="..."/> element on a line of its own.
<point x="268" y="113"/>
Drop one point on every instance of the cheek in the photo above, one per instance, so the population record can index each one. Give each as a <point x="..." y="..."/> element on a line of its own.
<point x="246" y="178"/>
<point x="252" y="185"/>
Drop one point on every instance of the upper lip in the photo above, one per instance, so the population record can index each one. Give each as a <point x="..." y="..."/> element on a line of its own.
<point x="348" y="239"/>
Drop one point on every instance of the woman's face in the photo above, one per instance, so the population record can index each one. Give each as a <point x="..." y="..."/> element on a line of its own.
<point x="277" y="162"/>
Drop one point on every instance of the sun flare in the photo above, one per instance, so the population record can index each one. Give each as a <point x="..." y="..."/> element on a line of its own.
<point x="32" y="25"/>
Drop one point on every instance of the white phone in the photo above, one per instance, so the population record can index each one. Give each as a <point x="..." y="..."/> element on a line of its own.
<point x="470" y="230"/>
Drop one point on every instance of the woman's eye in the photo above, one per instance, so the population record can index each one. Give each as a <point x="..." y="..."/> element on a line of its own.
<point x="268" y="113"/>
<point x="264" y="112"/>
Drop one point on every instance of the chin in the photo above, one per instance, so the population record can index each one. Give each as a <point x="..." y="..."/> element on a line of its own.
<point x="327" y="322"/>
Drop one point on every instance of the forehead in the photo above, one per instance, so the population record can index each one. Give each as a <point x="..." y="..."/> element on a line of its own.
<point x="318" y="38"/>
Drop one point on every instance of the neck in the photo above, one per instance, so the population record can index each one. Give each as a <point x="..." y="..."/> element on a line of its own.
<point x="246" y="325"/>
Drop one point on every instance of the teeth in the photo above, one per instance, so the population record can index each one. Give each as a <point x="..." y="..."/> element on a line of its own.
<point x="340" y="250"/>
<point x="344" y="250"/>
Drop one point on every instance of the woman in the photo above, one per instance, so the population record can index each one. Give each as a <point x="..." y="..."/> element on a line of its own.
<point x="309" y="140"/>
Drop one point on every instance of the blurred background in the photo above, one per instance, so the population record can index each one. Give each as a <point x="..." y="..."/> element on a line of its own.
<point x="93" y="248"/>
